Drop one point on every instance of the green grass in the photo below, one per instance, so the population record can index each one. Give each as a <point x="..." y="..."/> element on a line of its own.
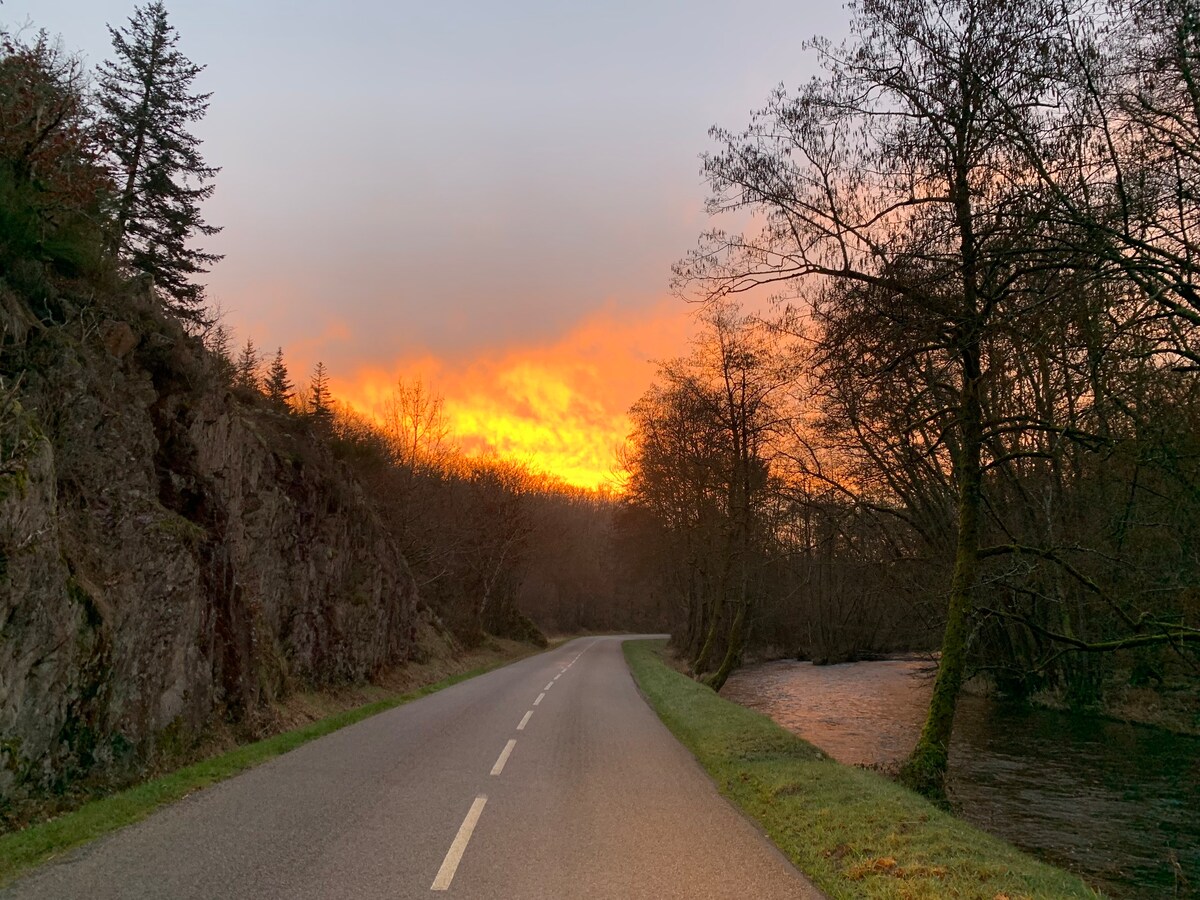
<point x="24" y="849"/>
<point x="855" y="833"/>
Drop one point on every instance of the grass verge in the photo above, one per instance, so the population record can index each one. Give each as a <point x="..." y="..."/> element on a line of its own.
<point x="22" y="850"/>
<point x="855" y="833"/>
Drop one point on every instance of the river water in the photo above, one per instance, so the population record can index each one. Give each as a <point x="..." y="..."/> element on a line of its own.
<point x="1119" y="804"/>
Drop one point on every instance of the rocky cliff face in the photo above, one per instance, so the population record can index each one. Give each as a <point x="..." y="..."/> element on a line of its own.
<point x="169" y="554"/>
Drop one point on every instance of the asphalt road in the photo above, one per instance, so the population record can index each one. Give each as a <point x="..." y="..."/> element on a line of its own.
<point x="549" y="778"/>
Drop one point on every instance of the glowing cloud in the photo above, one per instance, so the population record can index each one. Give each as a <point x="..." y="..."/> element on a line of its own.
<point x="559" y="407"/>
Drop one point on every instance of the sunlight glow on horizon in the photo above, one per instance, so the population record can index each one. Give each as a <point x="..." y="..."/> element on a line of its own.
<point x="485" y="196"/>
<point x="559" y="407"/>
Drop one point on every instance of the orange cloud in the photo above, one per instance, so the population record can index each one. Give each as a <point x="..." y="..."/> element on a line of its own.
<point x="559" y="406"/>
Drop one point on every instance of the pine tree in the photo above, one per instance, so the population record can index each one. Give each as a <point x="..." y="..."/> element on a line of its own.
<point x="146" y="105"/>
<point x="246" y="370"/>
<point x="279" y="386"/>
<point x="319" y="400"/>
<point x="218" y="343"/>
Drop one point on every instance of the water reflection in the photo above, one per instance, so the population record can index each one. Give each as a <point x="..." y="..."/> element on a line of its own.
<point x="1120" y="804"/>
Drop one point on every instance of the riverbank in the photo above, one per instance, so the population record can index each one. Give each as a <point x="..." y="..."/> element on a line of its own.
<point x="1172" y="704"/>
<point x="1107" y="800"/>
<point x="853" y="832"/>
<point x="1173" y="707"/>
<point x="57" y="826"/>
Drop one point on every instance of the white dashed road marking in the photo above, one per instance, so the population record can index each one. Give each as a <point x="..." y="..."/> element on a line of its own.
<point x="454" y="855"/>
<point x="504" y="754"/>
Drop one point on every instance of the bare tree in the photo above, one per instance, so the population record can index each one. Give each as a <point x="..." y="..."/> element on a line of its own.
<point x="701" y="460"/>
<point x="891" y="199"/>
<point x="415" y="421"/>
<point x="218" y="340"/>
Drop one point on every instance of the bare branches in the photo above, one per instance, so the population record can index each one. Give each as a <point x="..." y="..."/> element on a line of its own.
<point x="1160" y="633"/>
<point x="990" y="246"/>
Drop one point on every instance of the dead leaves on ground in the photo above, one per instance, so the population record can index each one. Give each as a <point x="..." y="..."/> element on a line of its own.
<point x="887" y="865"/>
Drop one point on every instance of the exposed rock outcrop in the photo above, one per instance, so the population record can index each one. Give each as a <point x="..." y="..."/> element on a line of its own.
<point x="169" y="555"/>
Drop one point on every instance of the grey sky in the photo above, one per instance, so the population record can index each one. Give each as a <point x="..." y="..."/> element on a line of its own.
<point x="457" y="176"/>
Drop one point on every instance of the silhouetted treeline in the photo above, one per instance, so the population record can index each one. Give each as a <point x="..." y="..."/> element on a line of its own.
<point x="979" y="226"/>
<point x="754" y="551"/>
<point x="494" y="547"/>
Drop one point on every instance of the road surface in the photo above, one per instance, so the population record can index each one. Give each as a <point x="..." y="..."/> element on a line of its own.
<point x="549" y="778"/>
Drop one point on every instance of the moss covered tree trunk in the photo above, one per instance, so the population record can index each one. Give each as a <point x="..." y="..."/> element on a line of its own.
<point x="736" y="643"/>
<point x="925" y="769"/>
<point x="736" y="585"/>
<point x="700" y="662"/>
<point x="715" y="623"/>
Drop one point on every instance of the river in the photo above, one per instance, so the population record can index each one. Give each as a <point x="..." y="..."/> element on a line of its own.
<point x="1119" y="804"/>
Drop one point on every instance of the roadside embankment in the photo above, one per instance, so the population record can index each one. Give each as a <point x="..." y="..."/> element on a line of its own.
<point x="854" y="833"/>
<point x="306" y="716"/>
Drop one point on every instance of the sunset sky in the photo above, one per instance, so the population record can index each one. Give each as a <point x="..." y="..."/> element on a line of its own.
<point x="485" y="195"/>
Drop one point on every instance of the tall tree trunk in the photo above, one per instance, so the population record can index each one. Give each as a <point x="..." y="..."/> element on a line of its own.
<point x="125" y="209"/>
<point x="701" y="663"/>
<point x="129" y="193"/>
<point x="737" y="637"/>
<point x="739" y="566"/>
<point x="925" y="769"/>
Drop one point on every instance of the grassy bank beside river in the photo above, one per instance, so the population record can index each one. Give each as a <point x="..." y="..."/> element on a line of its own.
<point x="854" y="833"/>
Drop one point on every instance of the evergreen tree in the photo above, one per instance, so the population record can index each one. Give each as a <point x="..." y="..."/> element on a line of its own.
<point x="279" y="386"/>
<point x="146" y="106"/>
<point x="248" y="361"/>
<point x="218" y="342"/>
<point x="319" y="400"/>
